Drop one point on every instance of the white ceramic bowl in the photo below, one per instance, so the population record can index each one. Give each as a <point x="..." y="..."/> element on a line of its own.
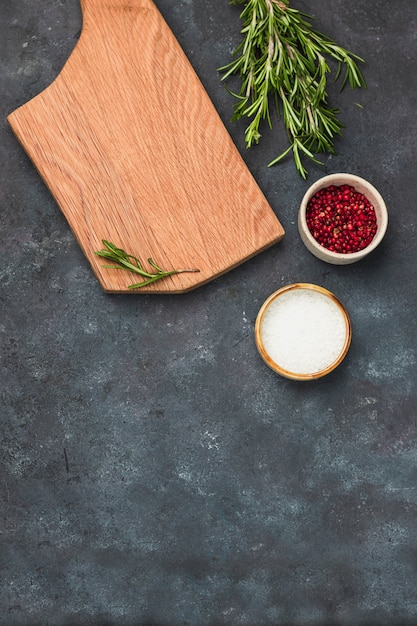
<point x="302" y="331"/>
<point x="362" y="186"/>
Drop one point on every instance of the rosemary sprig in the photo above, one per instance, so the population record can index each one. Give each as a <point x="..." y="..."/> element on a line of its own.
<point x="125" y="261"/>
<point x="281" y="62"/>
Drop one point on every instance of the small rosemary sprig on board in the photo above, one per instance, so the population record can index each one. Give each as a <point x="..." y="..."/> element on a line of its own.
<point x="281" y="62"/>
<point x="125" y="261"/>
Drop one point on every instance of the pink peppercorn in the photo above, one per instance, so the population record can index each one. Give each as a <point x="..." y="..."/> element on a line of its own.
<point x="341" y="219"/>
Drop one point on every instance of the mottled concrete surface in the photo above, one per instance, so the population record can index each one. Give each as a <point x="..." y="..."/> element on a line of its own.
<point x="153" y="471"/>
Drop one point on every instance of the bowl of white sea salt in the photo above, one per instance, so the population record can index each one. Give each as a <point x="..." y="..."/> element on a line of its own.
<point x="303" y="331"/>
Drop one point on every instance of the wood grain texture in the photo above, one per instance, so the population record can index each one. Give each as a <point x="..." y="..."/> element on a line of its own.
<point x="133" y="151"/>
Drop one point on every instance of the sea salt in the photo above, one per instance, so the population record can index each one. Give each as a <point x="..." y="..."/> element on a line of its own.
<point x="303" y="331"/>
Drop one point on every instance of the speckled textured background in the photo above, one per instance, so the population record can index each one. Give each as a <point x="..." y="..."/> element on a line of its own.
<point x="153" y="471"/>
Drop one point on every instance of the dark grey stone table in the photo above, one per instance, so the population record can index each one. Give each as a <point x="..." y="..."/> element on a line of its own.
<point x="153" y="470"/>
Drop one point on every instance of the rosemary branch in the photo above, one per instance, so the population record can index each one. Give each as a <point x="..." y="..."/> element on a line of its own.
<point x="125" y="261"/>
<point x="281" y="63"/>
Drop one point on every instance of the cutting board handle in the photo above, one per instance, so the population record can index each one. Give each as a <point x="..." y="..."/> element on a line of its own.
<point x="118" y="22"/>
<point x="99" y="10"/>
<point x="121" y="5"/>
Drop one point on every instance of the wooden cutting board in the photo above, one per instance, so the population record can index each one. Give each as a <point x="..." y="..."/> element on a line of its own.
<point x="134" y="152"/>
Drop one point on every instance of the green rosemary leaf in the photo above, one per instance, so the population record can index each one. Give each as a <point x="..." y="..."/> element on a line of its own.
<point x="155" y="266"/>
<point x="280" y="157"/>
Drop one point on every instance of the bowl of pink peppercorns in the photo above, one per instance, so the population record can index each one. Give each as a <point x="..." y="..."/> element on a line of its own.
<point x="342" y="218"/>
